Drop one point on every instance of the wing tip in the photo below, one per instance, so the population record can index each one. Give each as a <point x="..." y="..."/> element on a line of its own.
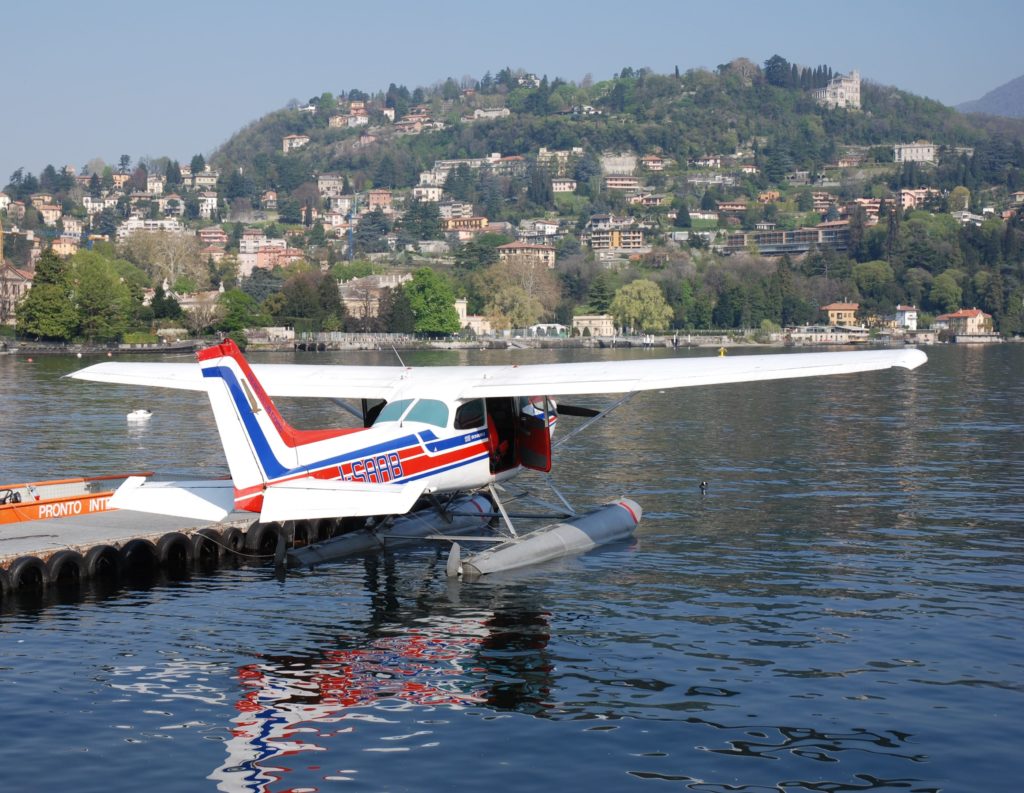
<point x="911" y="359"/>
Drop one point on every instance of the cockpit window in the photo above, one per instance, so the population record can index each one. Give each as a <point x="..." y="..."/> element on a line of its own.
<point x="429" y="411"/>
<point x="470" y="415"/>
<point x="393" y="410"/>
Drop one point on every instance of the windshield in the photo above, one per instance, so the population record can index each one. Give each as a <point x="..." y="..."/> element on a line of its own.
<point x="393" y="411"/>
<point x="429" y="411"/>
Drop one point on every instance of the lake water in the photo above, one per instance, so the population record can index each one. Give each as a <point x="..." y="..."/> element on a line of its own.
<point x="842" y="611"/>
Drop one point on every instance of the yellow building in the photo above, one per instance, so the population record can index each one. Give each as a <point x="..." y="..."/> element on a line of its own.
<point x="841" y="313"/>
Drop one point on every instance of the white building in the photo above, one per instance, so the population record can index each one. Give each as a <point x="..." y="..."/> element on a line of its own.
<point x="491" y="112"/>
<point x="135" y="223"/>
<point x="906" y="317"/>
<point x="426" y="192"/>
<point x="94" y="205"/>
<point x="842" y="91"/>
<point x="293" y="142"/>
<point x="207" y="205"/>
<point x="919" y="151"/>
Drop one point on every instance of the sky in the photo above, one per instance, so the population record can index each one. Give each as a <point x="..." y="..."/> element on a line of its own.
<point x="109" y="77"/>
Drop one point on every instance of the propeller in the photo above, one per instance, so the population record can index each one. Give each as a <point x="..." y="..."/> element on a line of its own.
<point x="576" y="410"/>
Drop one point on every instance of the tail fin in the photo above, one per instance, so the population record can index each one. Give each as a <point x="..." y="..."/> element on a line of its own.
<point x="260" y="446"/>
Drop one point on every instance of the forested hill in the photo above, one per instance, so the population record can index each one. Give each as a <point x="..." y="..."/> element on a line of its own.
<point x="680" y="116"/>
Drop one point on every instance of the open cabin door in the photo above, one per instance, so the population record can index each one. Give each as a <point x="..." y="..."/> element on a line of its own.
<point x="533" y="438"/>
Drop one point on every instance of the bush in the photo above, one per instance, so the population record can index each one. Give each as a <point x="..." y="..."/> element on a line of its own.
<point x="141" y="337"/>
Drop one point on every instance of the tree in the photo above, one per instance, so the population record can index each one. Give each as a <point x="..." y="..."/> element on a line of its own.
<point x="165" y="255"/>
<point x="52" y="269"/>
<point x="47" y="312"/>
<point x="422" y="221"/>
<point x="539" y="190"/>
<point x="238" y="311"/>
<point x="511" y="307"/>
<point x="641" y="306"/>
<point x="198" y="164"/>
<point x="777" y="71"/>
<point x="959" y="199"/>
<point x="202" y="317"/>
<point x="872" y="277"/>
<point x="432" y="302"/>
<point x="173" y="173"/>
<point x="261" y="284"/>
<point x="601" y="292"/>
<point x="529" y="275"/>
<point x="102" y="299"/>
<point x="371" y="233"/>
<point x="164" y="306"/>
<point x="394" y="314"/>
<point x="946" y="293"/>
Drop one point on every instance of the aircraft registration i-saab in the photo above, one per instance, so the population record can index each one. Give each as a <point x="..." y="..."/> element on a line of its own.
<point x="433" y="440"/>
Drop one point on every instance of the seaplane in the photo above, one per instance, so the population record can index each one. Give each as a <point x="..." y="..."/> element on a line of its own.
<point x="436" y="449"/>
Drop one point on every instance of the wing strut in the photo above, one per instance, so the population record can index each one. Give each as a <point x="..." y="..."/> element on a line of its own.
<point x="501" y="509"/>
<point x="577" y="430"/>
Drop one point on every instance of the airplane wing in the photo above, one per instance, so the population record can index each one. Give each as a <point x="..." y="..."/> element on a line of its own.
<point x="552" y="379"/>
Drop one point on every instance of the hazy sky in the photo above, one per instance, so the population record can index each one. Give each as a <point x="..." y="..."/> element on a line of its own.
<point x="109" y="77"/>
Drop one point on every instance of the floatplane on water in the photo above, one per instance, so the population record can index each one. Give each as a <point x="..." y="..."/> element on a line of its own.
<point x="436" y="449"/>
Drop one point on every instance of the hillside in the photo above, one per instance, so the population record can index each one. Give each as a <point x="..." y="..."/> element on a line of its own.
<point x="1006" y="100"/>
<point x="681" y="117"/>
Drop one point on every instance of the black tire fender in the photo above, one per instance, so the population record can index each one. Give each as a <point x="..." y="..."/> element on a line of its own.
<point x="233" y="539"/>
<point x="261" y="539"/>
<point x="102" y="561"/>
<point x="206" y="546"/>
<point x="28" y="573"/>
<point x="174" y="551"/>
<point x="137" y="556"/>
<point x="66" y="567"/>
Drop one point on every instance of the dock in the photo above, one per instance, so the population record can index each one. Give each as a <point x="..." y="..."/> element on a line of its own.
<point x="36" y="555"/>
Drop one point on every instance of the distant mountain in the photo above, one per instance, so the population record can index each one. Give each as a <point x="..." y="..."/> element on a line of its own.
<point x="1006" y="100"/>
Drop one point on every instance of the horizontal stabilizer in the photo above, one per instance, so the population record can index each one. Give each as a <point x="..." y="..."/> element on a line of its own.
<point x="309" y="499"/>
<point x="210" y="500"/>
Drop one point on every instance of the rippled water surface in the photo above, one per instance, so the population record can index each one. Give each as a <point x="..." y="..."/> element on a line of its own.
<point x="842" y="611"/>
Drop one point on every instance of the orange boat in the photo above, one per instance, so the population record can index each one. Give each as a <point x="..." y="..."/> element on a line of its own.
<point x="58" y="498"/>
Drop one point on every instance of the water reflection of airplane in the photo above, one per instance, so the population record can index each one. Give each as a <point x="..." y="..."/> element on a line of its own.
<point x="487" y="651"/>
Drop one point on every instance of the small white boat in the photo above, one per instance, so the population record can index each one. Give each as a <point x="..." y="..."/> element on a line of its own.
<point x="139" y="415"/>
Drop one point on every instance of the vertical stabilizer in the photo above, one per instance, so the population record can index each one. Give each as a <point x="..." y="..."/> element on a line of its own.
<point x="260" y="446"/>
<point x="247" y="419"/>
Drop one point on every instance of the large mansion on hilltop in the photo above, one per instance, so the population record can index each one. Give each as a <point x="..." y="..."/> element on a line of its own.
<point x="842" y="91"/>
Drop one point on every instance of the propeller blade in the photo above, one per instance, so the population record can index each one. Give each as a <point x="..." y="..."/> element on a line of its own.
<point x="576" y="410"/>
